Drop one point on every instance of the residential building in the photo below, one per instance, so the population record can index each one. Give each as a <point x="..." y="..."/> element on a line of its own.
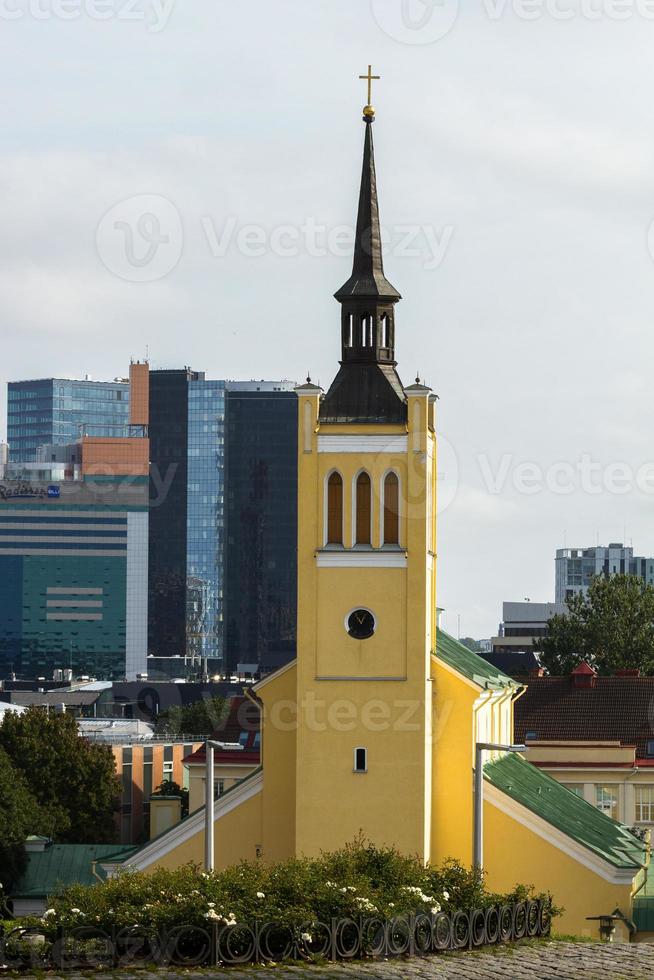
<point x="4" y="458"/>
<point x="239" y="735"/>
<point x="58" y="411"/>
<point x="576" y="567"/>
<point x="374" y="728"/>
<point x="594" y="735"/>
<point x="73" y="561"/>
<point x="203" y="434"/>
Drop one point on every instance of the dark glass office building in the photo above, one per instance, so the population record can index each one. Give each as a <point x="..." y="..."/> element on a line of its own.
<point x="209" y="440"/>
<point x="261" y="526"/>
<point x="54" y="411"/>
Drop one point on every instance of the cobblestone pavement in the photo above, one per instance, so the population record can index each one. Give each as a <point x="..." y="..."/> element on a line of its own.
<point x="542" y="961"/>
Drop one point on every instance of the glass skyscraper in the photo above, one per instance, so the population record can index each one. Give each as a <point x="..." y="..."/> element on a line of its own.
<point x="222" y="453"/>
<point x="53" y="411"/>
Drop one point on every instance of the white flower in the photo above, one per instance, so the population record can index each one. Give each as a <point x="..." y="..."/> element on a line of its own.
<point x="261" y="895"/>
<point x="48" y="912"/>
<point x="211" y="905"/>
<point x="213" y="916"/>
<point x="435" y="909"/>
<point x="365" y="903"/>
<point x="391" y="905"/>
<point x="306" y="936"/>
<point x="351" y="888"/>
<point x="446" y="896"/>
<point x="343" y="891"/>
<point x="75" y="911"/>
<point x="331" y="884"/>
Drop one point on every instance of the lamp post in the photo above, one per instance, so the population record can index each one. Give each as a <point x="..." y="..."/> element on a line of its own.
<point x="209" y="746"/>
<point x="480" y="748"/>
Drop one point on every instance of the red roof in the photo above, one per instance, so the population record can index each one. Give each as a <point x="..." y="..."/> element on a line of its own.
<point x="615" y="709"/>
<point x="241" y="725"/>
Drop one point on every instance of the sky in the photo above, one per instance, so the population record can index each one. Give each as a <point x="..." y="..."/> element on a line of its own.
<point x="180" y="180"/>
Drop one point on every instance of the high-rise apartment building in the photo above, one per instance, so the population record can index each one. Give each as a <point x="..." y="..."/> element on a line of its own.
<point x="210" y="439"/>
<point x="576" y="567"/>
<point x="55" y="411"/>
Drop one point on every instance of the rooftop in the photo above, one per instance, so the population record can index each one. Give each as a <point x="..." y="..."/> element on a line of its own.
<point x="561" y="808"/>
<point x="470" y="664"/>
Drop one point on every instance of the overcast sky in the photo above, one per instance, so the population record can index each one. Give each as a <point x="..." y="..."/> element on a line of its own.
<point x="179" y="178"/>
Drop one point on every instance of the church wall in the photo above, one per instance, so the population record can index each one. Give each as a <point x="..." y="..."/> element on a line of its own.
<point x="278" y="739"/>
<point x="452" y="801"/>
<point x="514" y="854"/>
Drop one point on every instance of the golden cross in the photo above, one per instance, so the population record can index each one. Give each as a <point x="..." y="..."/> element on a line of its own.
<point x="369" y="78"/>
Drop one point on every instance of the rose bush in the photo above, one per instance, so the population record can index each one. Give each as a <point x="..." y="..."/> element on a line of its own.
<point x="360" y="879"/>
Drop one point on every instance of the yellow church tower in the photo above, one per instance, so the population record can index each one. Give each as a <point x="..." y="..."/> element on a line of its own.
<point x="366" y="574"/>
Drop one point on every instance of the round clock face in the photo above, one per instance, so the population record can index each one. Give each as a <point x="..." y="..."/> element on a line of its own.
<point x="360" y="624"/>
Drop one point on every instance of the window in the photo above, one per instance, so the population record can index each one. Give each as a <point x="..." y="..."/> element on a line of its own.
<point x="650" y="747"/>
<point x="360" y="760"/>
<point x="391" y="509"/>
<point x="606" y="800"/>
<point x="576" y="788"/>
<point x="363" y="505"/>
<point x="644" y="804"/>
<point x="168" y="762"/>
<point x="218" y="788"/>
<point x="335" y="509"/>
<point x="383" y="323"/>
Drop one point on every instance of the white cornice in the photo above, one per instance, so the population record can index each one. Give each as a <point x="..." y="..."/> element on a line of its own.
<point x="361" y="559"/>
<point x="361" y="443"/>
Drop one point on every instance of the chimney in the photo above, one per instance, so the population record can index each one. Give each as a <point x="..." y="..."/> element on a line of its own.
<point x="628" y="672"/>
<point x="583" y="676"/>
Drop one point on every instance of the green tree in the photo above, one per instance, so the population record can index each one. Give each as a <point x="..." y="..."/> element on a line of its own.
<point x="20" y="816"/>
<point x="199" y="719"/>
<point x="73" y="780"/>
<point x="612" y="626"/>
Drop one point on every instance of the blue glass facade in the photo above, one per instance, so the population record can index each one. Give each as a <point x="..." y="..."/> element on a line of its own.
<point x="219" y="446"/>
<point x="55" y="411"/>
<point x="205" y="519"/>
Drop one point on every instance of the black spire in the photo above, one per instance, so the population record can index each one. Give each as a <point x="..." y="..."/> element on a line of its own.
<point x="367" y="387"/>
<point x="368" y="279"/>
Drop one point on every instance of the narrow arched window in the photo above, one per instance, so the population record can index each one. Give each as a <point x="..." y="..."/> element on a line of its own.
<point x="391" y="509"/>
<point x="335" y="509"/>
<point x="363" y="504"/>
<point x="384" y="331"/>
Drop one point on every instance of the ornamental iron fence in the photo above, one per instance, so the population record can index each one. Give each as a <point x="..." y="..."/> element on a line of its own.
<point x="89" y="947"/>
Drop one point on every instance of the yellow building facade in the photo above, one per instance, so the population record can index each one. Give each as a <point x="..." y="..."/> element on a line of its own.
<point x="373" y="728"/>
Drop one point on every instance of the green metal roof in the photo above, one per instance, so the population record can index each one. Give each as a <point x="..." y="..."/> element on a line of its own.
<point x="64" y="864"/>
<point x="566" y="811"/>
<point x="470" y="664"/>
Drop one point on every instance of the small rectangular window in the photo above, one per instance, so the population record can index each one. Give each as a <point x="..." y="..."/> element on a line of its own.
<point x="361" y="760"/>
<point x="650" y="747"/>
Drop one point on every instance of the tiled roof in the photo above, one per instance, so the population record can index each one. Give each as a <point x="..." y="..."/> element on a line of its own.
<point x="64" y="864"/>
<point x="561" y="808"/>
<point x="616" y="709"/>
<point x="240" y="725"/>
<point x="470" y="664"/>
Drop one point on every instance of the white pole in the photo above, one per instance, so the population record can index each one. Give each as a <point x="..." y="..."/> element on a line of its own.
<point x="208" y="808"/>
<point x="478" y="839"/>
